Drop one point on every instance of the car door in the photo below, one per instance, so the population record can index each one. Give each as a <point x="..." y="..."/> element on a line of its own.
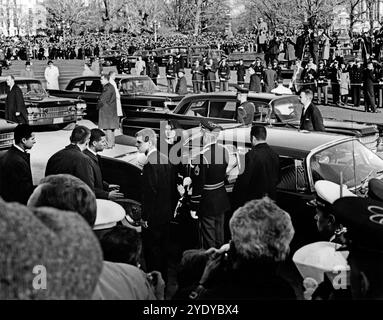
<point x="294" y="196"/>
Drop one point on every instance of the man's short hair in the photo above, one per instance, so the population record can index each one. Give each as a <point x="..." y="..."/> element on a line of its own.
<point x="112" y="72"/>
<point x="308" y="93"/>
<point x="11" y="76"/>
<point x="66" y="192"/>
<point x="105" y="76"/>
<point x="259" y="132"/>
<point x="79" y="135"/>
<point x="96" y="135"/>
<point x="122" y="245"/>
<point x="260" y="229"/>
<point x="22" y="131"/>
<point x="148" y="135"/>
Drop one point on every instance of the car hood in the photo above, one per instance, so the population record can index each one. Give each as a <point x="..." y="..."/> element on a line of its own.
<point x="51" y="99"/>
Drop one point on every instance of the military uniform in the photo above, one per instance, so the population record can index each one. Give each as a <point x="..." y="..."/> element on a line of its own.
<point x="356" y="79"/>
<point x="322" y="84"/>
<point x="224" y="76"/>
<point x="171" y="76"/>
<point x="209" y="197"/>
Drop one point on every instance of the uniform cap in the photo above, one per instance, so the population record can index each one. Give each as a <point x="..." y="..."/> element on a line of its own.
<point x="328" y="192"/>
<point x="363" y="219"/>
<point x="375" y="189"/>
<point x="181" y="70"/>
<point x="108" y="214"/>
<point x="210" y="125"/>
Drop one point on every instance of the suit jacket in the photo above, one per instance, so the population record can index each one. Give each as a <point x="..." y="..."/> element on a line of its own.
<point x="101" y="188"/>
<point x="260" y="177"/>
<point x="157" y="184"/>
<point x="107" y="105"/>
<point x="182" y="87"/>
<point x="15" y="103"/>
<point x="16" y="176"/>
<point x="369" y="79"/>
<point x="71" y="160"/>
<point x="312" y="120"/>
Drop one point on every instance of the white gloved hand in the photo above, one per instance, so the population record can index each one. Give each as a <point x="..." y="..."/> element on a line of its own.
<point x="187" y="182"/>
<point x="194" y="214"/>
<point x="181" y="190"/>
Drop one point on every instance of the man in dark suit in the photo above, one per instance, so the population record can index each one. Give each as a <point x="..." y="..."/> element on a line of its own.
<point x="15" y="169"/>
<point x="261" y="172"/>
<point x="157" y="186"/>
<point x="102" y="189"/>
<point x="14" y="104"/>
<point x="311" y="118"/>
<point x="71" y="160"/>
<point x="369" y="79"/>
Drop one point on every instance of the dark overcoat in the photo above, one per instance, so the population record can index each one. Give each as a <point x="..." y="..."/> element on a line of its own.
<point x="101" y="188"/>
<point x="71" y="160"/>
<point x="260" y="177"/>
<point x="312" y="120"/>
<point x="15" y="176"/>
<point x="15" y="103"/>
<point x="107" y="108"/>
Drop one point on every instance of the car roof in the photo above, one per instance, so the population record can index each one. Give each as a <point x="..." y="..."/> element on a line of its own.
<point x="4" y="78"/>
<point x="118" y="76"/>
<point x="267" y="97"/>
<point x="286" y="141"/>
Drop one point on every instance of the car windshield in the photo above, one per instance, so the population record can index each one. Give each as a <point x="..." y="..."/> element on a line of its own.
<point x="288" y="109"/>
<point x="356" y="162"/>
<point x="31" y="88"/>
<point x="135" y="86"/>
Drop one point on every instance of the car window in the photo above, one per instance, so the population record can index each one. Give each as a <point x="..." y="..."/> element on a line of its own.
<point x="261" y="111"/>
<point x="293" y="177"/>
<point x="93" y="86"/>
<point x="223" y="109"/>
<point x="198" y="108"/>
<point x="3" y="88"/>
<point x="288" y="109"/>
<point x="78" y="86"/>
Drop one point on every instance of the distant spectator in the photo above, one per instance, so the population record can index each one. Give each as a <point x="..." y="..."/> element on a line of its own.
<point x="27" y="72"/>
<point x="52" y="76"/>
<point x="181" y="87"/>
<point x="281" y="89"/>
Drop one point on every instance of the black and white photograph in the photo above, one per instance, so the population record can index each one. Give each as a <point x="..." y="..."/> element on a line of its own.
<point x="189" y="155"/>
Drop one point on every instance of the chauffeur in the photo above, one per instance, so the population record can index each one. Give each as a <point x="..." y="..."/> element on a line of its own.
<point x="209" y="197"/>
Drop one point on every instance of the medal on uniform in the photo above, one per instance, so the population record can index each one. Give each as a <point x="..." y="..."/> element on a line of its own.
<point x="196" y="170"/>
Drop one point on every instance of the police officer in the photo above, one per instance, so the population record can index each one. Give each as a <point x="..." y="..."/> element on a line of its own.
<point x="209" y="198"/>
<point x="153" y="70"/>
<point x="322" y="82"/>
<point x="356" y="80"/>
<point x="241" y="73"/>
<point x="224" y="74"/>
<point x="123" y="65"/>
<point x="171" y="74"/>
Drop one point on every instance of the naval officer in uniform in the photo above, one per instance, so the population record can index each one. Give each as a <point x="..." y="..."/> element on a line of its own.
<point x="209" y="198"/>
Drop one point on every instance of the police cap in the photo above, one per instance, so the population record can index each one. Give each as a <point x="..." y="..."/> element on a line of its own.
<point x="375" y="189"/>
<point x="363" y="219"/>
<point x="108" y="214"/>
<point x="210" y="125"/>
<point x="327" y="193"/>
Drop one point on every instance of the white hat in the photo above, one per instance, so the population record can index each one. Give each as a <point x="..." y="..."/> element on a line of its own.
<point x="316" y="259"/>
<point x="108" y="214"/>
<point x="330" y="191"/>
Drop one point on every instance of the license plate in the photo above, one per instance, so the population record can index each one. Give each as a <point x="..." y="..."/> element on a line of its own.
<point x="58" y="120"/>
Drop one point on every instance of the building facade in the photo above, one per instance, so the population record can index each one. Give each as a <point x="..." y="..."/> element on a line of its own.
<point x="22" y="17"/>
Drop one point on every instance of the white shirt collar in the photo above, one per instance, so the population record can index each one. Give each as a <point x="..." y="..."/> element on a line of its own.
<point x="21" y="149"/>
<point x="151" y="151"/>
<point x="95" y="153"/>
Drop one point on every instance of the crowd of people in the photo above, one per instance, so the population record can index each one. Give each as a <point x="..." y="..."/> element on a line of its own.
<point x="237" y="256"/>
